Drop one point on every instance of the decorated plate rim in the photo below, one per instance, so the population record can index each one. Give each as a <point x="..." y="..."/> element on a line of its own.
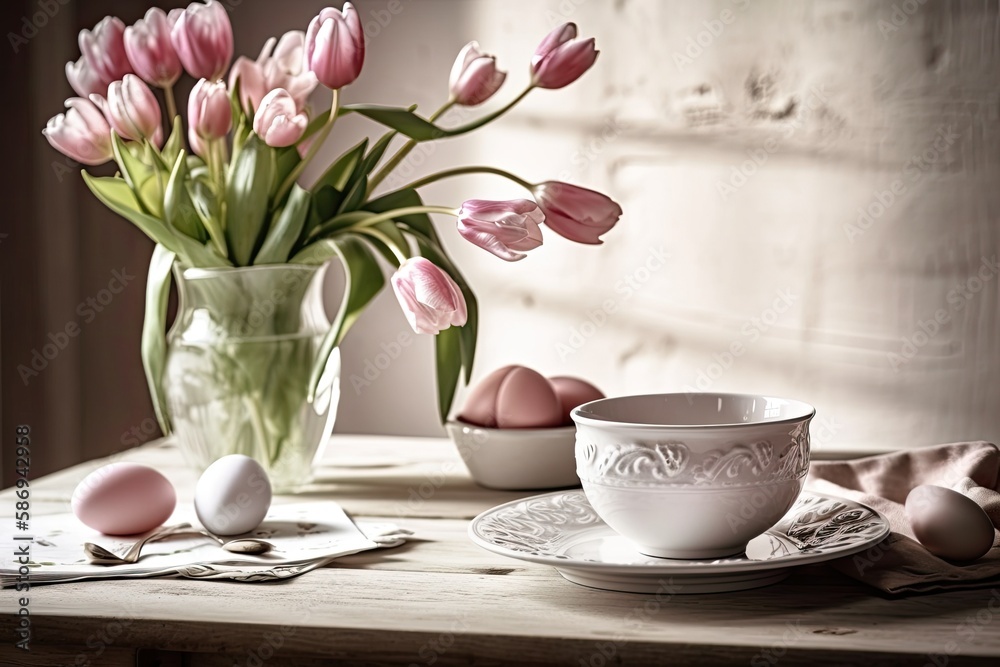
<point x="676" y="566"/>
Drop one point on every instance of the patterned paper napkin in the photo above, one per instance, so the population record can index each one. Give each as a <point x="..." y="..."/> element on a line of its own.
<point x="306" y="536"/>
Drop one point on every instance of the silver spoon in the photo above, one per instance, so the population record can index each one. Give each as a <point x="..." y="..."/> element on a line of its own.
<point x="100" y="556"/>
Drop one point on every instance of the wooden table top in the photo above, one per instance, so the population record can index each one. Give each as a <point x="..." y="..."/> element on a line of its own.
<point x="441" y="600"/>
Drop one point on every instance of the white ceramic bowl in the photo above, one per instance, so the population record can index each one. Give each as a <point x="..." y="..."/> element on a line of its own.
<point x="517" y="458"/>
<point x="692" y="475"/>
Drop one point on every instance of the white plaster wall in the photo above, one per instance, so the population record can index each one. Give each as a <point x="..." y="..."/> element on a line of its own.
<point x="838" y="108"/>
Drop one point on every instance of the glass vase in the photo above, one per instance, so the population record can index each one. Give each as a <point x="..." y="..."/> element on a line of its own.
<point x="239" y="359"/>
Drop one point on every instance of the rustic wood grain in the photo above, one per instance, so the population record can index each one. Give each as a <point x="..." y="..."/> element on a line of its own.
<point x="441" y="600"/>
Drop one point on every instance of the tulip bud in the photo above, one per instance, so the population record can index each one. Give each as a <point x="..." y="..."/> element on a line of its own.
<point x="209" y="114"/>
<point x="132" y="110"/>
<point x="576" y="213"/>
<point x="561" y="58"/>
<point x="203" y="39"/>
<point x="430" y="299"/>
<point x="474" y="76"/>
<point x="102" y="58"/>
<point x="82" y="132"/>
<point x="335" y="46"/>
<point x="501" y="227"/>
<point x="150" y="52"/>
<point x="278" y="121"/>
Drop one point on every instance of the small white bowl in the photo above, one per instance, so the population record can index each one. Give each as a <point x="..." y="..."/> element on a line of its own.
<point x="515" y="459"/>
<point x="692" y="475"/>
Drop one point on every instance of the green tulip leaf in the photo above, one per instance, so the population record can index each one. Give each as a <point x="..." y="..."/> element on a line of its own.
<point x="154" y="346"/>
<point x="286" y="160"/>
<point x="206" y="206"/>
<point x="285" y="229"/>
<point x="340" y="222"/>
<point x="364" y="280"/>
<point x="248" y="188"/>
<point x="133" y="170"/>
<point x="178" y="210"/>
<point x="175" y="142"/>
<point x="375" y="154"/>
<point x="404" y="121"/>
<point x="448" y="353"/>
<point x="420" y="222"/>
<point x="355" y="196"/>
<point x="342" y="172"/>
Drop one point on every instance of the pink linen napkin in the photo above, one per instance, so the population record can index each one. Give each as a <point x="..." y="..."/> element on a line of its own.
<point x="900" y="564"/>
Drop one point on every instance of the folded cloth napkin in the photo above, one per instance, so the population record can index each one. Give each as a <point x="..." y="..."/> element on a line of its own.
<point x="900" y="564"/>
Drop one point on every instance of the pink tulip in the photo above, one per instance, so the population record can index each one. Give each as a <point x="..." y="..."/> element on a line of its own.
<point x="576" y="213"/>
<point x="279" y="65"/>
<point x="474" y="76"/>
<point x="335" y="46"/>
<point x="562" y="57"/>
<point x="430" y="299"/>
<point x="501" y="227"/>
<point x="82" y="132"/>
<point x="102" y="58"/>
<point x="203" y="39"/>
<point x="251" y="81"/>
<point x="278" y="121"/>
<point x="132" y="110"/>
<point x="148" y="46"/>
<point x="209" y="114"/>
<point x="282" y="65"/>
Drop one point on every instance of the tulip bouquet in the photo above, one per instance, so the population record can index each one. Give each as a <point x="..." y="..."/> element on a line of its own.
<point x="231" y="196"/>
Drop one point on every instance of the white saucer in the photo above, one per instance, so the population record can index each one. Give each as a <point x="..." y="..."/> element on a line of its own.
<point x="561" y="529"/>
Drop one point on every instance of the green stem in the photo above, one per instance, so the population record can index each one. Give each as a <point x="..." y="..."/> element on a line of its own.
<point x="401" y="153"/>
<point x="458" y="171"/>
<point x="488" y="118"/>
<point x="168" y="93"/>
<point x="324" y="132"/>
<point x="323" y="229"/>
<point x="386" y="241"/>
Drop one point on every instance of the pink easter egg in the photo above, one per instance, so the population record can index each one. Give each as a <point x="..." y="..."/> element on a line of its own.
<point x="124" y="499"/>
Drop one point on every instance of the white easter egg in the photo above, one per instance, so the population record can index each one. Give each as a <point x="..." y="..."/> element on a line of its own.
<point x="233" y="495"/>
